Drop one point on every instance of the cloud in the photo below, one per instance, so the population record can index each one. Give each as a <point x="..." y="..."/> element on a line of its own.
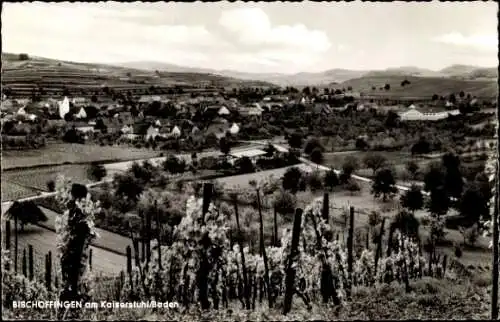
<point x="253" y="27"/>
<point x="83" y="34"/>
<point x="480" y="41"/>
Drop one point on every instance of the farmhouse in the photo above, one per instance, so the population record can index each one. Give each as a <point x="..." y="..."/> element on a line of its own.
<point x="415" y="114"/>
<point x="64" y="107"/>
<point x="223" y="111"/>
<point x="252" y="154"/>
<point x="234" y="129"/>
<point x="176" y="132"/>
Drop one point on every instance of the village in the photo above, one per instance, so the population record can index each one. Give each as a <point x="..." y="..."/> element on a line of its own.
<point x="249" y="162"/>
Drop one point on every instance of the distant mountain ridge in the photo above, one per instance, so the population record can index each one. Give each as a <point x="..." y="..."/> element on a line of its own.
<point x="329" y="76"/>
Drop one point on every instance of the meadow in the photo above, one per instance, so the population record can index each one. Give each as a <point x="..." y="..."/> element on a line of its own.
<point x="13" y="191"/>
<point x="64" y="153"/>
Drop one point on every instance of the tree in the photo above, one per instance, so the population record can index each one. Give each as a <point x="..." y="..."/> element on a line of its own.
<point x="452" y="98"/>
<point x="384" y="184"/>
<point x="348" y="167"/>
<point x="361" y="144"/>
<point x="174" y="165"/>
<point x="317" y="156"/>
<point x="434" y="177"/>
<point x="439" y="202"/>
<point x="284" y="202"/>
<point x="412" y="168"/>
<point x="421" y="147"/>
<point x="331" y="179"/>
<point x="435" y="97"/>
<point x="314" y="181"/>
<point x="96" y="171"/>
<point x="126" y="185"/>
<point x="23" y="57"/>
<point x="413" y="199"/>
<point x="311" y="144"/>
<point x="374" y="218"/>
<point x="461" y="94"/>
<point x="270" y="150"/>
<point x="291" y="179"/>
<point x="473" y="206"/>
<point x="387" y="87"/>
<point x="407" y="224"/>
<point x="51" y="186"/>
<point x="245" y="165"/>
<point x="453" y="181"/>
<point x="295" y="140"/>
<point x="224" y="145"/>
<point x="374" y="161"/>
<point x="391" y="119"/>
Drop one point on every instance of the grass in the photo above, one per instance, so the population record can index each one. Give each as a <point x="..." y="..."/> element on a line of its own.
<point x="63" y="153"/>
<point x="428" y="299"/>
<point x="37" y="178"/>
<point x="397" y="159"/>
<point x="421" y="86"/>
<point x="13" y="191"/>
<point x="44" y="240"/>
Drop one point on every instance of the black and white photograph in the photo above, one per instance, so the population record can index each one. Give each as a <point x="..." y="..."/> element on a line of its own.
<point x="249" y="161"/>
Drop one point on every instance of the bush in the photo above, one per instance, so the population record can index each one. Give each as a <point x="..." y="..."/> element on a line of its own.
<point x="284" y="202"/>
<point x="331" y="179"/>
<point x="317" y="156"/>
<point x="174" y="165"/>
<point x="51" y="185"/>
<point x="374" y="218"/>
<point x="96" y="172"/>
<point x="291" y="179"/>
<point x="244" y="165"/>
<point x="352" y="186"/>
<point x="314" y="181"/>
<point x="311" y="145"/>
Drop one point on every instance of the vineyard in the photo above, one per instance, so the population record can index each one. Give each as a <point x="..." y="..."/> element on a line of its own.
<point x="51" y="78"/>
<point x="204" y="267"/>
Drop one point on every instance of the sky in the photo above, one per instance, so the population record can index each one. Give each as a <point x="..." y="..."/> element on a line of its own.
<point x="258" y="37"/>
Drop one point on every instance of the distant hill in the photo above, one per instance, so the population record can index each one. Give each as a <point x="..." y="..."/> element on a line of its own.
<point x="22" y="76"/>
<point x="421" y="86"/>
<point x="329" y="76"/>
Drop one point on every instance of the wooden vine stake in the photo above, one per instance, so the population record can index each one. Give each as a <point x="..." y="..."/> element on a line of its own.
<point x="380" y="238"/>
<point x="263" y="249"/>
<point x="290" y="271"/>
<point x="246" y="291"/>
<point x="350" y="244"/>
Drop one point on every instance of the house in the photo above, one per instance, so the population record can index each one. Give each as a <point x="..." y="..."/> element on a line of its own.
<point x="252" y="154"/>
<point x="415" y="114"/>
<point x="64" y="107"/>
<point x="250" y="111"/>
<point x="85" y="129"/>
<point x="223" y="111"/>
<point x="176" y="132"/>
<point x="127" y="129"/>
<point x="235" y="129"/>
<point x="151" y="133"/>
<point x="322" y="108"/>
<point x="21" y="111"/>
<point x="81" y="114"/>
<point x="7" y="105"/>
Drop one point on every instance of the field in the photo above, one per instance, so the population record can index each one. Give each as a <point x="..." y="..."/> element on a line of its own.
<point x="13" y="191"/>
<point x="421" y="86"/>
<point x="397" y="159"/>
<point x="64" y="153"/>
<point x="21" y="77"/>
<point x="37" y="177"/>
<point x="44" y="240"/>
